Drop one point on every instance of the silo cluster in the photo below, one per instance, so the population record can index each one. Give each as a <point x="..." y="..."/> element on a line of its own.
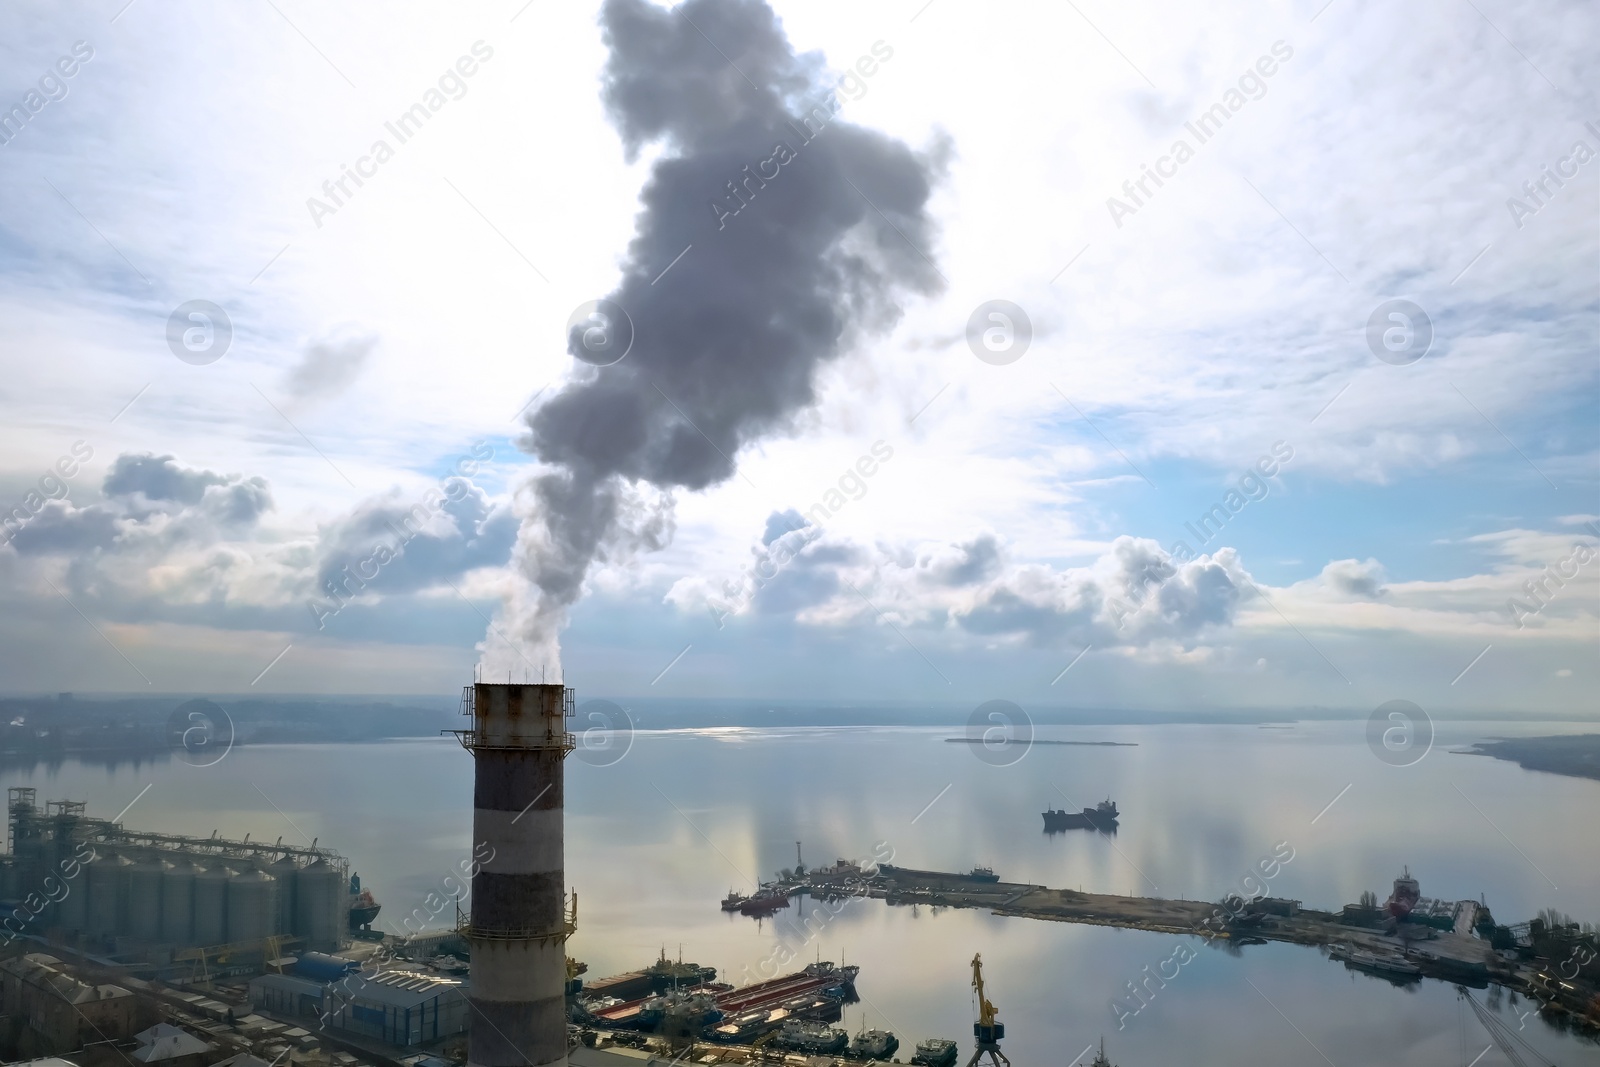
<point x="197" y="900"/>
<point x="170" y="890"/>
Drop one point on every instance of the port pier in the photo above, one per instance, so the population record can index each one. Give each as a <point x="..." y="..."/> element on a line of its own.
<point x="1452" y="955"/>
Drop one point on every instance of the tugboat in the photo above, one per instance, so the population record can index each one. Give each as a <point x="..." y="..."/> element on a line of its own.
<point x="363" y="907"/>
<point x="690" y="1010"/>
<point x="873" y="1045"/>
<point x="844" y="976"/>
<point x="1103" y="816"/>
<point x="935" y="1052"/>
<point x="733" y="900"/>
<point x="665" y="974"/>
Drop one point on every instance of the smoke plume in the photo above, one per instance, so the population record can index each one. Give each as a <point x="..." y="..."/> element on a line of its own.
<point x="774" y="238"/>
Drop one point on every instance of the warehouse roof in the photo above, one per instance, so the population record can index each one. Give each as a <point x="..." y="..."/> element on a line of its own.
<point x="44" y="971"/>
<point x="167" y="1042"/>
<point x="401" y="989"/>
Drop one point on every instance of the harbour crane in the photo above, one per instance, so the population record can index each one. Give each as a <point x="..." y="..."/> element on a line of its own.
<point x="988" y="1030"/>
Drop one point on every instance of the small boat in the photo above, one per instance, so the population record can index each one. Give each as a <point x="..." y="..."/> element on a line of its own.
<point x="983" y="874"/>
<point x="1371" y="961"/>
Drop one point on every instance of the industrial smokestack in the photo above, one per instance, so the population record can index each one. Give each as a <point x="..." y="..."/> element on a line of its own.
<point x="518" y="930"/>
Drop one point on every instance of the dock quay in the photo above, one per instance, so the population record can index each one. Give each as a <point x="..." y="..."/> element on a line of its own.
<point x="1451" y="954"/>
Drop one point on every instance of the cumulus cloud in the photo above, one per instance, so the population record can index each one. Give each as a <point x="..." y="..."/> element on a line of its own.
<point x="157" y="478"/>
<point x="436" y="538"/>
<point x="172" y="543"/>
<point x="151" y="503"/>
<point x="1134" y="595"/>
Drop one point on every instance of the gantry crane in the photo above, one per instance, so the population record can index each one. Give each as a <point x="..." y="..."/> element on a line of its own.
<point x="988" y="1030"/>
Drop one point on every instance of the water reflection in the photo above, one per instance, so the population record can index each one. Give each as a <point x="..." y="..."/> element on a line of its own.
<point x="655" y="841"/>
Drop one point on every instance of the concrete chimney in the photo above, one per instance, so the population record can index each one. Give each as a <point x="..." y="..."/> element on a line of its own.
<point x="518" y="930"/>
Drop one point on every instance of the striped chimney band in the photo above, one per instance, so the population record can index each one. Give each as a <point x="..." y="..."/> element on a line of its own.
<point x="518" y="930"/>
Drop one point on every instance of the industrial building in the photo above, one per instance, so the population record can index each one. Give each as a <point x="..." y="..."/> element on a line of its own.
<point x="396" y="1007"/>
<point x="56" y="1012"/>
<point x="92" y="881"/>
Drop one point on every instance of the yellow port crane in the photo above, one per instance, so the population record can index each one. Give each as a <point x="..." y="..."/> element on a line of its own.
<point x="201" y="957"/>
<point x="570" y="927"/>
<point x="988" y="1029"/>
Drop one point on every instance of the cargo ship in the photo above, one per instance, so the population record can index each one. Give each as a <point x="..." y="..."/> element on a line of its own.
<point x="363" y="906"/>
<point x="728" y="1013"/>
<point x="1405" y="896"/>
<point x="662" y="975"/>
<point x="1103" y="816"/>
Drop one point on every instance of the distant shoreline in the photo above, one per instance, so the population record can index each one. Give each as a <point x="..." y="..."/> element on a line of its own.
<point x="1573" y="755"/>
<point x="1042" y="741"/>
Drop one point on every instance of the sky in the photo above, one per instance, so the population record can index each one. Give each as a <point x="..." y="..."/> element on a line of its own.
<point x="1290" y="400"/>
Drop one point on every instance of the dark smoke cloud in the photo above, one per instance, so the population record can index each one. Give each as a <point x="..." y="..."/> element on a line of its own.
<point x="728" y="343"/>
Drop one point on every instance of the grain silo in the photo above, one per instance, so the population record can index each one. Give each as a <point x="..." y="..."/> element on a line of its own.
<point x="108" y="891"/>
<point x="320" y="914"/>
<point x="177" y="902"/>
<point x="287" y="872"/>
<point x="252" y="906"/>
<point x="73" y="912"/>
<point x="211" y="905"/>
<point x="146" y="880"/>
<point x="518" y="931"/>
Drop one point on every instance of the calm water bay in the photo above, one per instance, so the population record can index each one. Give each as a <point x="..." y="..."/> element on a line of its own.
<point x="655" y="839"/>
